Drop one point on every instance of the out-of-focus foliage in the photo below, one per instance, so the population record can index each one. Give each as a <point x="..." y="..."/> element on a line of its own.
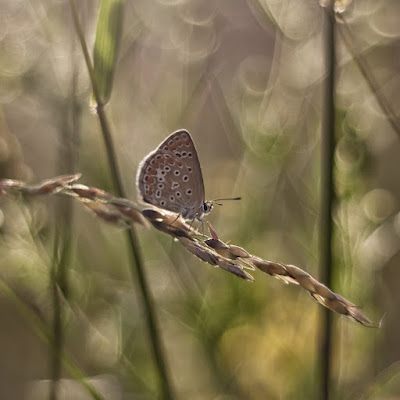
<point x="245" y="79"/>
<point x="108" y="36"/>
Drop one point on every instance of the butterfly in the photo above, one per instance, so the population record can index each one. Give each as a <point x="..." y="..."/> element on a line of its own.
<point x="170" y="178"/>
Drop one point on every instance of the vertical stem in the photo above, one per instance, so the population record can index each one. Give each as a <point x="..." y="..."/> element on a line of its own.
<point x="57" y="339"/>
<point x="60" y="286"/>
<point x="64" y="224"/>
<point x="151" y="319"/>
<point x="327" y="197"/>
<point x="138" y="266"/>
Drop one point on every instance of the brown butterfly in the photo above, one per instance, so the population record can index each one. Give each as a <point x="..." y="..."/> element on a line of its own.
<point x="170" y="178"/>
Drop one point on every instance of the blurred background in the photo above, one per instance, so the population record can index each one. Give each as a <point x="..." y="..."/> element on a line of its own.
<point x="245" y="78"/>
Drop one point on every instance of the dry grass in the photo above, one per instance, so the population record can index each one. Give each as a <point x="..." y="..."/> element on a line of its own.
<point x="230" y="258"/>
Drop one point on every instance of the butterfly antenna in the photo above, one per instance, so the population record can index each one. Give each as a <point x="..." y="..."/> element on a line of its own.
<point x="217" y="201"/>
<point x="227" y="198"/>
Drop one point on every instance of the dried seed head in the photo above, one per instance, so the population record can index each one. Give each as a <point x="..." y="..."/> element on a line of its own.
<point x="52" y="185"/>
<point x="132" y="215"/>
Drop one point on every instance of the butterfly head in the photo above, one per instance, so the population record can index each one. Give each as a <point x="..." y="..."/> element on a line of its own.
<point x="207" y="207"/>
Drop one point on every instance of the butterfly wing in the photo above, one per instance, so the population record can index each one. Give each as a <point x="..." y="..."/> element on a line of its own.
<point x="170" y="177"/>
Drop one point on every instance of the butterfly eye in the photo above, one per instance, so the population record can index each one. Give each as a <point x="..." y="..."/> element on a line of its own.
<point x="206" y="208"/>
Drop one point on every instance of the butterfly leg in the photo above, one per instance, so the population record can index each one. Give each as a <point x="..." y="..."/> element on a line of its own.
<point x="191" y="224"/>
<point x="202" y="224"/>
<point x="176" y="219"/>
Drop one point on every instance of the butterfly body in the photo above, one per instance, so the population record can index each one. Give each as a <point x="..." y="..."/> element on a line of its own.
<point x="170" y="177"/>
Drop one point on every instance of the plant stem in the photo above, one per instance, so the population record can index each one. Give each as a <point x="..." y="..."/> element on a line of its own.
<point x="68" y="150"/>
<point x="148" y="303"/>
<point x="151" y="320"/>
<point x="327" y="198"/>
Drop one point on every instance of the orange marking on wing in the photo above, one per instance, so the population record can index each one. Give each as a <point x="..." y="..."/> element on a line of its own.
<point x="156" y="164"/>
<point x="149" y="180"/>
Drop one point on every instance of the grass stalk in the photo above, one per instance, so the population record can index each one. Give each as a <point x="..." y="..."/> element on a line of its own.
<point x="137" y="267"/>
<point x="60" y="261"/>
<point x="68" y="150"/>
<point x="327" y="198"/>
